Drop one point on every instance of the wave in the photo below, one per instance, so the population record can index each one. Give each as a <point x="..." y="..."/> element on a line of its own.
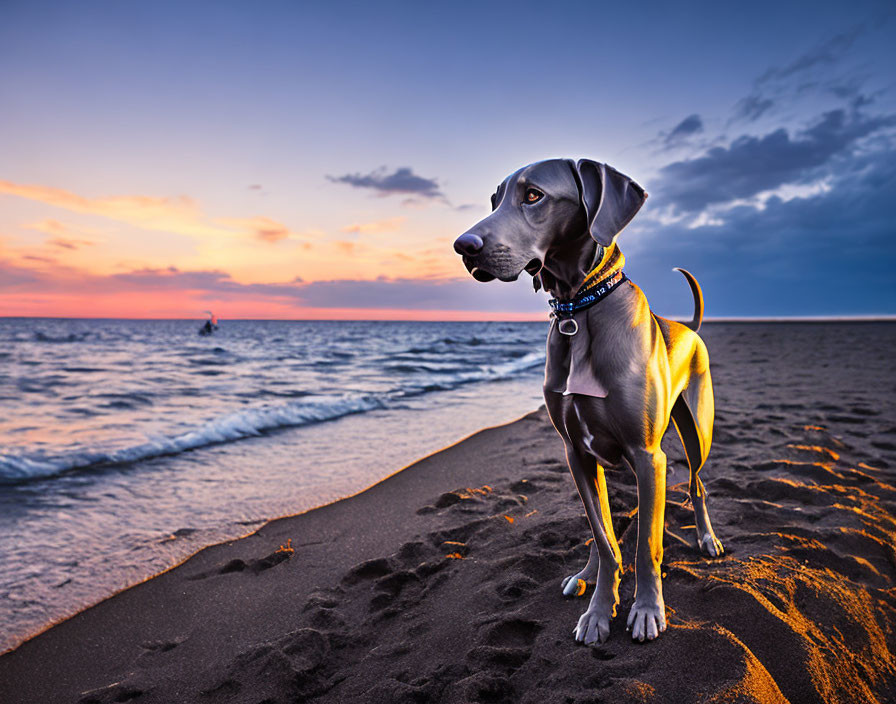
<point x="16" y="468"/>
<point x="237" y="425"/>
<point x="40" y="336"/>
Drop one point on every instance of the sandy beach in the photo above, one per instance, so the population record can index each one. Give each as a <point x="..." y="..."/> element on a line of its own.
<point x="442" y="582"/>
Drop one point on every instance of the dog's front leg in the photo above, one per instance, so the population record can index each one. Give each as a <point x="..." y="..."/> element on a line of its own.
<point x="647" y="618"/>
<point x="594" y="624"/>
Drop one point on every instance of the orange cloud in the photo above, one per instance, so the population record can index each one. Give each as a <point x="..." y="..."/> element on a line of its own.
<point x="180" y="214"/>
<point x="60" y="229"/>
<point x="387" y="225"/>
<point x="69" y="244"/>
<point x="261" y="227"/>
<point x="62" y="233"/>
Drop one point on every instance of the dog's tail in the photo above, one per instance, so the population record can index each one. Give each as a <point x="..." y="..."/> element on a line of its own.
<point x="698" y="299"/>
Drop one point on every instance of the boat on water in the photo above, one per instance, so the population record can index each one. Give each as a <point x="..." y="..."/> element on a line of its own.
<point x="210" y="326"/>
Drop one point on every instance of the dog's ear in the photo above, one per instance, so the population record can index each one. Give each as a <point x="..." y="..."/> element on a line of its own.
<point x="497" y="195"/>
<point x="611" y="199"/>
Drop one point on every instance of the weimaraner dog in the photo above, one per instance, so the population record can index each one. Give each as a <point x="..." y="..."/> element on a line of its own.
<point x="616" y="373"/>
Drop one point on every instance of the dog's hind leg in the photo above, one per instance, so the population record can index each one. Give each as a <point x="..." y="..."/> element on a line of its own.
<point x="692" y="415"/>
<point x="605" y="560"/>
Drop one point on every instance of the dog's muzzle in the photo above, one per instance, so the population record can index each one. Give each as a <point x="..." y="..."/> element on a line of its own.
<point x="478" y="272"/>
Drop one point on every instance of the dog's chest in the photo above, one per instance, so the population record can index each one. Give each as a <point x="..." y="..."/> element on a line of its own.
<point x="584" y="423"/>
<point x="571" y="367"/>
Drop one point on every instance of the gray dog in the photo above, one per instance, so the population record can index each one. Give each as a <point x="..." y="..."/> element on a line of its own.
<point x="616" y="373"/>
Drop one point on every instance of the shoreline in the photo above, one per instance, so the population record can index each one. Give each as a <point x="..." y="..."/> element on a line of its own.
<point x="253" y="527"/>
<point x="179" y="535"/>
<point x="265" y="534"/>
<point x="442" y="581"/>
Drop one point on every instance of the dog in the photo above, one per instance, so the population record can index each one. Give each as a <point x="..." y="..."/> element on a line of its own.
<point x="616" y="373"/>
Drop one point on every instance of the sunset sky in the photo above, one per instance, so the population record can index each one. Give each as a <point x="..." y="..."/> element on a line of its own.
<point x="316" y="160"/>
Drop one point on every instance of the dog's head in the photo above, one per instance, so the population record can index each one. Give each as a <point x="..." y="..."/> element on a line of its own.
<point x="542" y="208"/>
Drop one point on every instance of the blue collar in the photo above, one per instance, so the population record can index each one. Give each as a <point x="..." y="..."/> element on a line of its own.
<point x="589" y="296"/>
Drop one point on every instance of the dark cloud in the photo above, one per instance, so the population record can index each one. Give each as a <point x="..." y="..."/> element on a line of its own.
<point x="14" y="277"/>
<point x="420" y="294"/>
<point x="751" y="165"/>
<point x="824" y="54"/>
<point x="752" y="107"/>
<point x="689" y="126"/>
<point x="809" y="71"/>
<point x="833" y="253"/>
<point x="401" y="181"/>
<point x="462" y="294"/>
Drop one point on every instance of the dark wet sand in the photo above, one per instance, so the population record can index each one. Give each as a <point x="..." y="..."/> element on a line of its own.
<point x="442" y="583"/>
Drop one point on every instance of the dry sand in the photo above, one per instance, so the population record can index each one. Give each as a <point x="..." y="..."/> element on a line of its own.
<point x="442" y="583"/>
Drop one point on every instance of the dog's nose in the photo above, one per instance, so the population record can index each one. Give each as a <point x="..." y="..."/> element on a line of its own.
<point x="468" y="243"/>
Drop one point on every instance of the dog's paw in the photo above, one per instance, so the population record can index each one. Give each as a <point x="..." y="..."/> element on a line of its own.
<point x="574" y="585"/>
<point x="593" y="627"/>
<point x="646" y="621"/>
<point x="711" y="545"/>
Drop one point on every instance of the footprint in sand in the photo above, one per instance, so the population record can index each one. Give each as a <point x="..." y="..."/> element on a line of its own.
<point x="297" y="665"/>
<point x="253" y="566"/>
<point x="127" y="690"/>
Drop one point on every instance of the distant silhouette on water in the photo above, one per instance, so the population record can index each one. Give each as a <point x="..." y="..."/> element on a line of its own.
<point x="210" y="325"/>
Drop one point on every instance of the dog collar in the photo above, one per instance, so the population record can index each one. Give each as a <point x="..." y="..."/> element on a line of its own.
<point x="599" y="283"/>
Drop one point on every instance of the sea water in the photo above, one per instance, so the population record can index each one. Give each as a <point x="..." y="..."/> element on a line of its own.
<point x="127" y="445"/>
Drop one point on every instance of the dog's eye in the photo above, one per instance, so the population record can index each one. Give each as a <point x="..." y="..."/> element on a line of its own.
<point x="533" y="195"/>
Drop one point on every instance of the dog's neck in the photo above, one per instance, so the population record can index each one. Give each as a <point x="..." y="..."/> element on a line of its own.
<point x="565" y="270"/>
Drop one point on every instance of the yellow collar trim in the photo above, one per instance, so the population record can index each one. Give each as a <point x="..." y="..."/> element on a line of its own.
<point x="612" y="262"/>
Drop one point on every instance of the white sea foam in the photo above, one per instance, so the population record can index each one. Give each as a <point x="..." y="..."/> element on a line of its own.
<point x="248" y="422"/>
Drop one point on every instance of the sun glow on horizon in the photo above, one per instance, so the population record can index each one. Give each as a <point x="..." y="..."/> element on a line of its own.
<point x="163" y="256"/>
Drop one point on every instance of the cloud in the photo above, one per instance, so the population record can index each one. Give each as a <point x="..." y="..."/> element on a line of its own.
<point x="179" y="214"/>
<point x="59" y="229"/>
<point x="808" y="71"/>
<point x="14" y="277"/>
<point x="63" y="233"/>
<point x="401" y="181"/>
<point x="752" y="165"/>
<point x="753" y="107"/>
<point x="398" y="294"/>
<point x="69" y="244"/>
<point x="364" y="228"/>
<point x="688" y="127"/>
<point x="825" y="53"/>
<point x="422" y="294"/>
<point x="262" y="228"/>
<point x="829" y="252"/>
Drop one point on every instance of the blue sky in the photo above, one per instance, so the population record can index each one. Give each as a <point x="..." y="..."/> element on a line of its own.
<point x="278" y="159"/>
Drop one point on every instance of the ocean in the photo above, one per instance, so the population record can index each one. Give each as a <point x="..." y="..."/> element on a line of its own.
<point x="127" y="445"/>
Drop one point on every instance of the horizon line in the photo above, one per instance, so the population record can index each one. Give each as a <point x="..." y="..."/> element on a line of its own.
<point x="885" y="317"/>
